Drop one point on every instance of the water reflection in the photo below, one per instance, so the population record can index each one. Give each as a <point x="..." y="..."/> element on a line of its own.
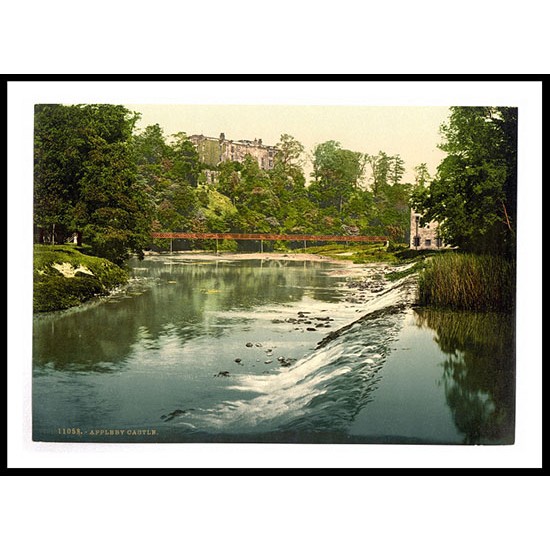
<point x="479" y="371"/>
<point x="174" y="298"/>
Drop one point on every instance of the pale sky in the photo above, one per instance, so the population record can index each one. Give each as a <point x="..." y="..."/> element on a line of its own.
<point x="412" y="132"/>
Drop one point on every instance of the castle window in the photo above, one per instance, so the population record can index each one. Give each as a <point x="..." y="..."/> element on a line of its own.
<point x="416" y="241"/>
<point x="428" y="242"/>
<point x="438" y="242"/>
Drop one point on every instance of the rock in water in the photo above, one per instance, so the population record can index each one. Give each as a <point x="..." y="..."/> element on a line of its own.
<point x="172" y="415"/>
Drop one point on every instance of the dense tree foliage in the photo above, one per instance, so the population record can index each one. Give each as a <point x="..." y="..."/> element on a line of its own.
<point x="97" y="177"/>
<point x="169" y="170"/>
<point x="85" y="179"/>
<point x="473" y="195"/>
<point x="336" y="174"/>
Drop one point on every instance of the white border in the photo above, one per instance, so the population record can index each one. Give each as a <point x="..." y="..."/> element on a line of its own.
<point x="527" y="452"/>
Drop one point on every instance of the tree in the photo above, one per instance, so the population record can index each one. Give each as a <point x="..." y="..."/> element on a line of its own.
<point x="152" y="156"/>
<point x="114" y="210"/>
<point x="229" y="179"/>
<point x="336" y="172"/>
<point x="170" y="174"/>
<point x="397" y="169"/>
<point x="421" y="175"/>
<point x="185" y="159"/>
<point x="290" y="152"/>
<point x="380" y="170"/>
<point x="59" y="151"/>
<point x="392" y="210"/>
<point x="358" y="210"/>
<point x="150" y="148"/>
<point x="257" y="197"/>
<point x="86" y="180"/>
<point x="287" y="173"/>
<point x="473" y="195"/>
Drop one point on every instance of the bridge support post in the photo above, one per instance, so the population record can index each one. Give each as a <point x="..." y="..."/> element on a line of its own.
<point x="171" y="245"/>
<point x="261" y="246"/>
<point x="216" y="246"/>
<point x="305" y="245"/>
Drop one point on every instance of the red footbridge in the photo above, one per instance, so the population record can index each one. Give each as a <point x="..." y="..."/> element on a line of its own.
<point x="272" y="237"/>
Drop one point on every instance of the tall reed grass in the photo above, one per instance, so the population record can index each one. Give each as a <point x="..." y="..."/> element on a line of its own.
<point x="469" y="282"/>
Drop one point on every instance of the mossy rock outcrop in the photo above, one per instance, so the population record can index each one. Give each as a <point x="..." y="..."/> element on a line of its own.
<point x="65" y="277"/>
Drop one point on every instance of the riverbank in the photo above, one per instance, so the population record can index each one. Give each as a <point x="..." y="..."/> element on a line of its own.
<point x="64" y="277"/>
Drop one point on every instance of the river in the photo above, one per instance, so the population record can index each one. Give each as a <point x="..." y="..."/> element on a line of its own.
<point x="270" y="350"/>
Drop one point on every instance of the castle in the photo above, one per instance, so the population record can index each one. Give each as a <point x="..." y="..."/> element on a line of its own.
<point x="212" y="151"/>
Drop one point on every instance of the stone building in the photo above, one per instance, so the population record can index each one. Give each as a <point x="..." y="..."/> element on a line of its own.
<point x="424" y="238"/>
<point x="212" y="151"/>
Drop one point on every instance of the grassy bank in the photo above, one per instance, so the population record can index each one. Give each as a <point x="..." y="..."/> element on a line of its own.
<point x="359" y="253"/>
<point x="65" y="277"/>
<point x="468" y="282"/>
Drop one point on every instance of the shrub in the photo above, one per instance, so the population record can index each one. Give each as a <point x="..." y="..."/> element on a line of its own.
<point x="58" y="292"/>
<point x="280" y="246"/>
<point x="228" y="245"/>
